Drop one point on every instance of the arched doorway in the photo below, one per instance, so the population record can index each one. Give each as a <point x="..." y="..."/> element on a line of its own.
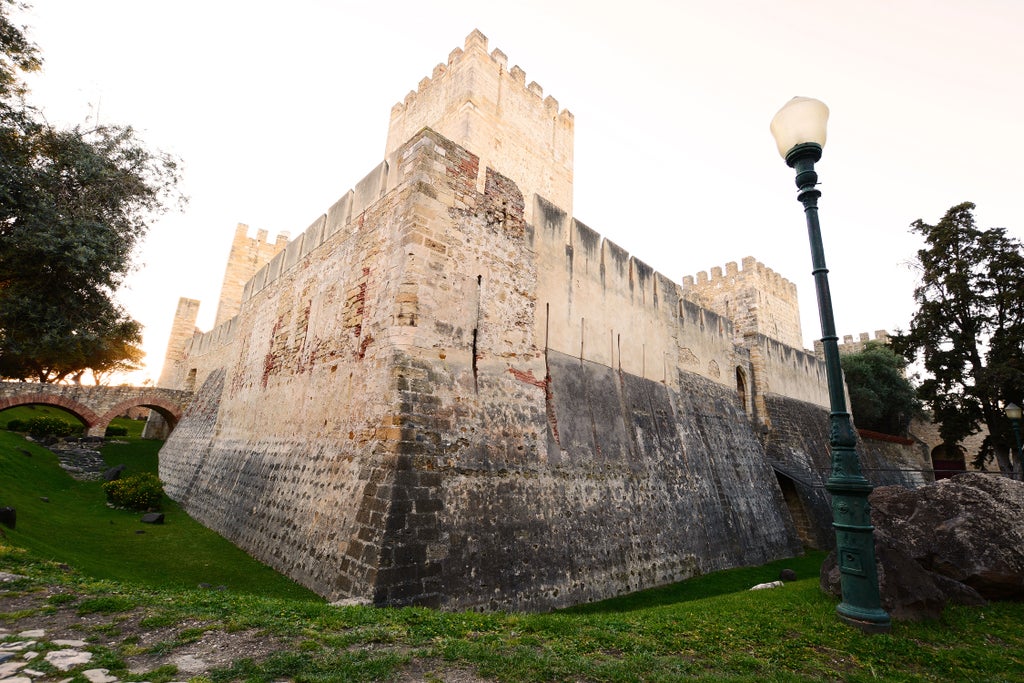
<point x="741" y="388"/>
<point x="797" y="511"/>
<point x="947" y="461"/>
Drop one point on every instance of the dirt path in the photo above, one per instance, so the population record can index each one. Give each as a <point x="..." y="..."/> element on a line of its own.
<point x="193" y="647"/>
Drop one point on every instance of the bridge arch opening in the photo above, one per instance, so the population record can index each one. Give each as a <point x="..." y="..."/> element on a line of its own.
<point x="96" y="406"/>
<point x="162" y="419"/>
<point x="58" y="407"/>
<point x="26" y="411"/>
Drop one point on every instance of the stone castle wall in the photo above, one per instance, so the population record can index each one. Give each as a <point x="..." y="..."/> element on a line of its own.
<point x="381" y="421"/>
<point x="447" y="391"/>
<point x="797" y="448"/>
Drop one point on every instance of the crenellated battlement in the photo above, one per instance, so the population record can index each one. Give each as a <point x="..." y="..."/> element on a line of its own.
<point x="477" y="41"/>
<point x="476" y="101"/>
<point x="851" y="345"/>
<point x="753" y="270"/>
<point x="756" y="298"/>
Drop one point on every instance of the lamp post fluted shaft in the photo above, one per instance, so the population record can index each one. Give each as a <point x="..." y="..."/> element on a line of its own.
<point x="855" y="546"/>
<point x="1015" y="425"/>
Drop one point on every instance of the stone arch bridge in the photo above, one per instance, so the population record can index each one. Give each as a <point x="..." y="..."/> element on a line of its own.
<point x="96" y="406"/>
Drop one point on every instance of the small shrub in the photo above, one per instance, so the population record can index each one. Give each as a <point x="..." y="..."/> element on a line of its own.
<point x="106" y="604"/>
<point x="61" y="598"/>
<point x="17" y="426"/>
<point x="116" y="431"/>
<point x="137" y="492"/>
<point x="50" y="426"/>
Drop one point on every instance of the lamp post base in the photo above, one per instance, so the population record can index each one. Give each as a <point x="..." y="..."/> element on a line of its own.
<point x="866" y="625"/>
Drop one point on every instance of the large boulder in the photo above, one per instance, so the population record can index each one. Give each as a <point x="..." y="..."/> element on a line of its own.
<point x="909" y="592"/>
<point x="114" y="472"/>
<point x="969" y="528"/>
<point x="959" y="540"/>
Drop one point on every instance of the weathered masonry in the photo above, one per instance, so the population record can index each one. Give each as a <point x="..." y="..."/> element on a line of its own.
<point x="448" y="392"/>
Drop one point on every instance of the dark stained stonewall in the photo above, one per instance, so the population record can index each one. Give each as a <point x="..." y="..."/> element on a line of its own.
<point x="8" y="517"/>
<point x="113" y="473"/>
<point x="965" y="533"/>
<point x="153" y="518"/>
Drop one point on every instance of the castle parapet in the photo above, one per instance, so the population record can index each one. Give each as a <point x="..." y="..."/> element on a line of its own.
<point x="477" y="102"/>
<point x="603" y="305"/>
<point x="851" y="345"/>
<point x="752" y="270"/>
<point x="756" y="298"/>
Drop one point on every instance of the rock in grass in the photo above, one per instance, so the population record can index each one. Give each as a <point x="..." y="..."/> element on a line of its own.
<point x="65" y="660"/>
<point x="99" y="676"/>
<point x="114" y="472"/>
<point x="8" y="517"/>
<point x="909" y="592"/>
<point x="957" y="541"/>
<point x="153" y="518"/>
<point x="770" y="584"/>
<point x="787" y="575"/>
<point x="968" y="528"/>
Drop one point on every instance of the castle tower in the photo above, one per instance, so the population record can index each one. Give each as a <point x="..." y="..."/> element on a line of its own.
<point x="247" y="256"/>
<point x="182" y="329"/>
<point x="757" y="300"/>
<point x="477" y="103"/>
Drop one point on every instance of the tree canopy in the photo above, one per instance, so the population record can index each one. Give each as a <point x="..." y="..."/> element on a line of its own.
<point x="881" y="397"/>
<point x="74" y="204"/>
<point x="969" y="331"/>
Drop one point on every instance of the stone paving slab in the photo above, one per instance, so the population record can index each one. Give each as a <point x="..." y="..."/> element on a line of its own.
<point x="10" y="668"/>
<point x="99" y="676"/>
<point x="65" y="660"/>
<point x="69" y="643"/>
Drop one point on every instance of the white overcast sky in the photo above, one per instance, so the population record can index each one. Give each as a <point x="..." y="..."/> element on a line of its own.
<point x="277" y="108"/>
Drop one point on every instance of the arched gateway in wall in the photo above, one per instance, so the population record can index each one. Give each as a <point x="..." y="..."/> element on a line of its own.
<point x="948" y="461"/>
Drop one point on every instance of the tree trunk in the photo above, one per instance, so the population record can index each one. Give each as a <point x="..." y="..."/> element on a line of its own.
<point x="1006" y="466"/>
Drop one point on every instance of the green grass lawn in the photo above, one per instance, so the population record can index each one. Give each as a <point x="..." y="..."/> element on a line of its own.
<point x="69" y="521"/>
<point x="710" y="628"/>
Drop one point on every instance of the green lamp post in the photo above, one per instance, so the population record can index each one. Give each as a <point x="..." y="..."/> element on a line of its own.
<point x="1013" y="412"/>
<point x="799" y="131"/>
